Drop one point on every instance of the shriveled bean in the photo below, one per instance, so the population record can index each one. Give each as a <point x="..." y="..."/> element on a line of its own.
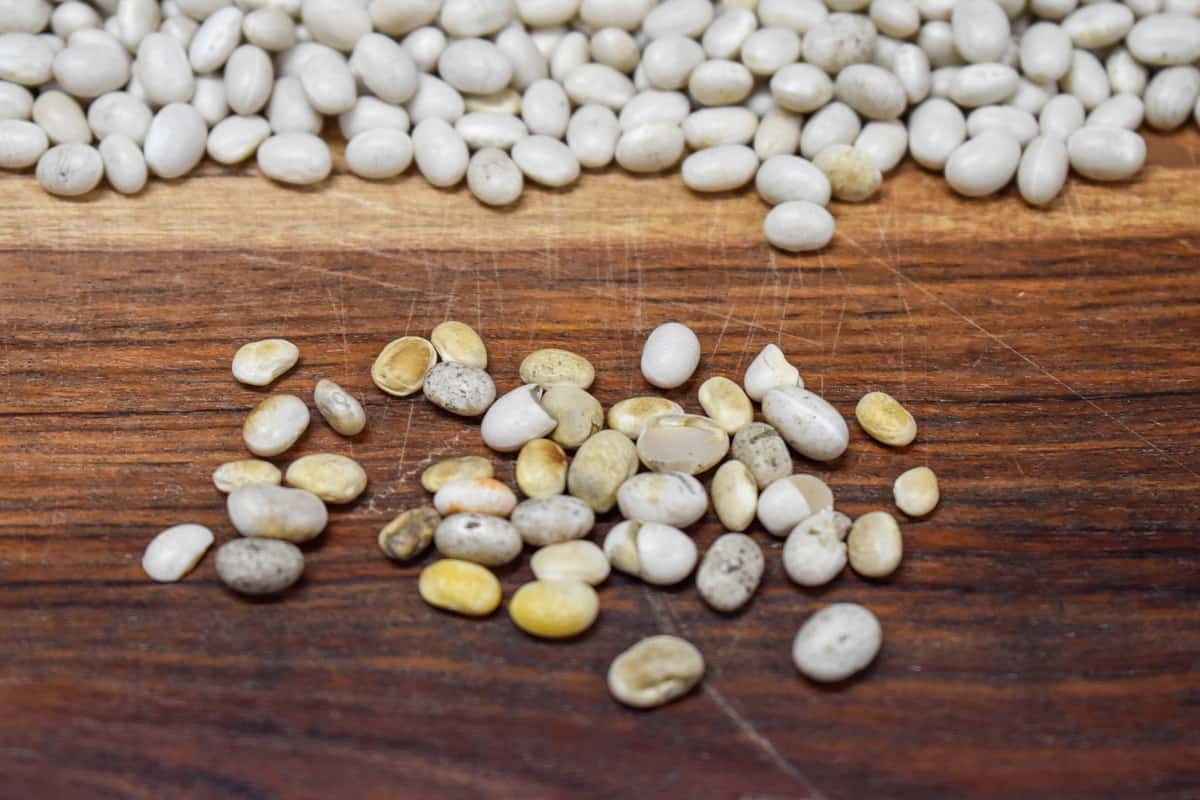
<point x="409" y="534"/>
<point x="655" y="671"/>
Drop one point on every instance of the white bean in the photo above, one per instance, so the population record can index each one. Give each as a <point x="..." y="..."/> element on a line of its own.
<point x="475" y="66"/>
<point x="911" y="67"/>
<point x="370" y="113"/>
<point x="984" y="165"/>
<point x="234" y="139"/>
<point x="546" y="109"/>
<point x="670" y="355"/>
<point x="119" y="112"/>
<point x="872" y="91"/>
<point x="712" y="127"/>
<point x="720" y="83"/>
<point x="806" y="421"/>
<point x="463" y="18"/>
<point x="799" y="15"/>
<point x="1118" y="111"/>
<point x="124" y="164"/>
<point x="1098" y="25"/>
<point x="936" y="128"/>
<point x="654" y="106"/>
<point x="493" y="178"/>
<point x="884" y="143"/>
<point x="798" y="226"/>
<point x="837" y="642"/>
<point x="546" y="160"/>
<point x="1087" y="80"/>
<point x="1106" y="154"/>
<point x="174" y="552"/>
<point x="481" y="129"/>
<point x="670" y="498"/>
<point x="1021" y="124"/>
<point x="16" y="102"/>
<point x="801" y="87"/>
<point x="163" y="70"/>
<point x="571" y="51"/>
<point x="209" y="99"/>
<point x="615" y="48"/>
<point x="69" y="170"/>
<point x="768" y="50"/>
<point x="261" y="510"/>
<point x="288" y="110"/>
<point x="1171" y="96"/>
<point x="275" y="424"/>
<point x="668" y="62"/>
<point x="981" y="30"/>
<point x="547" y="13"/>
<point x="1125" y="73"/>
<point x="60" y="116"/>
<point x="836" y="123"/>
<point x="983" y="84"/>
<point x="839" y="41"/>
<point x="215" y="39"/>
<point x="678" y="18"/>
<point x="336" y="23"/>
<point x="296" y="158"/>
<point x="398" y="17"/>
<point x="650" y="148"/>
<point x="424" y="45"/>
<point x="175" y="141"/>
<point x="88" y="71"/>
<point x="723" y="39"/>
<point x="528" y="63"/>
<point x="379" y="154"/>
<point x="1043" y="170"/>
<point x="592" y="135"/>
<point x="269" y="28"/>
<point x="135" y="20"/>
<point x="441" y="154"/>
<point x="21" y="143"/>
<point x="658" y="554"/>
<point x="1045" y="52"/>
<point x="385" y="68"/>
<point x="778" y="133"/>
<point x="1061" y="116"/>
<point x="328" y="82"/>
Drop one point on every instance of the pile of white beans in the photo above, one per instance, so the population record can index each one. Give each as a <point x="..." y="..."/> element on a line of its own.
<point x="809" y="99"/>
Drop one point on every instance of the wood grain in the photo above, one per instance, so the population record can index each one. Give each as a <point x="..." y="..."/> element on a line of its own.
<point x="1042" y="635"/>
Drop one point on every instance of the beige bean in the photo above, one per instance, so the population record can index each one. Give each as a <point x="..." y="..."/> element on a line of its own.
<point x="458" y="343"/>
<point x="682" y="443"/>
<point x="339" y="408"/>
<point x="578" y="414"/>
<point x="541" y="469"/>
<point x="236" y="474"/>
<point x="552" y="366"/>
<point x="401" y="367"/>
<point x="875" y="544"/>
<point x="734" y="495"/>
<point x="333" y="478"/>
<point x="655" y="671"/>
<point x="882" y="416"/>
<point x="631" y="415"/>
<point x="916" y="491"/>
<point x="726" y="404"/>
<point x="438" y="475"/>
<point x="409" y="534"/>
<point x="601" y="465"/>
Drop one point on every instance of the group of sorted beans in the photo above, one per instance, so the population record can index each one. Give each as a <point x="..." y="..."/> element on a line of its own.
<point x="498" y="92"/>
<point x="476" y="522"/>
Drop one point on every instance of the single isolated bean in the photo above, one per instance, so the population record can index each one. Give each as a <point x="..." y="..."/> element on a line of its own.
<point x="554" y="609"/>
<point x="730" y="572"/>
<point x="798" y="226"/>
<point x="916" y="491"/>
<point x="655" y="671"/>
<point x="260" y="363"/>
<point x="409" y="534"/>
<point x="837" y="642"/>
<point x="670" y="355"/>
<point x="463" y="587"/>
<point x="174" y="552"/>
<point x="882" y="416"/>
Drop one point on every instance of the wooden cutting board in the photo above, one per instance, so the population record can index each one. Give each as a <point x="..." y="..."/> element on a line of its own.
<point x="1041" y="638"/>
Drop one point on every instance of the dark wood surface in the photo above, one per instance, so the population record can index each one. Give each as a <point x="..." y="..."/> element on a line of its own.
<point x="1042" y="638"/>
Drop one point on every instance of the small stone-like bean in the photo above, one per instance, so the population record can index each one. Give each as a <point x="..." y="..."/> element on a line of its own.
<point x="577" y="413"/>
<point x="463" y="587"/>
<point x="235" y="474"/>
<point x="554" y="609"/>
<point x="655" y="671"/>
<point x="814" y="553"/>
<point x="259" y="566"/>
<point x="173" y="552"/>
<point x="465" y="391"/>
<point x="260" y="363"/>
<point x="837" y="642"/>
<point x="409" y="534"/>
<point x="276" y="512"/>
<point x="600" y="466"/>
<point x="339" y="408"/>
<point x="333" y="478"/>
<point x="734" y="495"/>
<point x="885" y="420"/>
<point x="551" y="520"/>
<point x="875" y="545"/>
<point x="481" y="538"/>
<point x="275" y="424"/>
<point x="725" y="404"/>
<point x="916" y="491"/>
<point x="764" y="452"/>
<point x="730" y="572"/>
<point x="670" y="355"/>
<point x="672" y="498"/>
<point x="552" y="367"/>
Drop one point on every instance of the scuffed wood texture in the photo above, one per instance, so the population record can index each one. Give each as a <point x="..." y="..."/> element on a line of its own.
<point x="1042" y="636"/>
